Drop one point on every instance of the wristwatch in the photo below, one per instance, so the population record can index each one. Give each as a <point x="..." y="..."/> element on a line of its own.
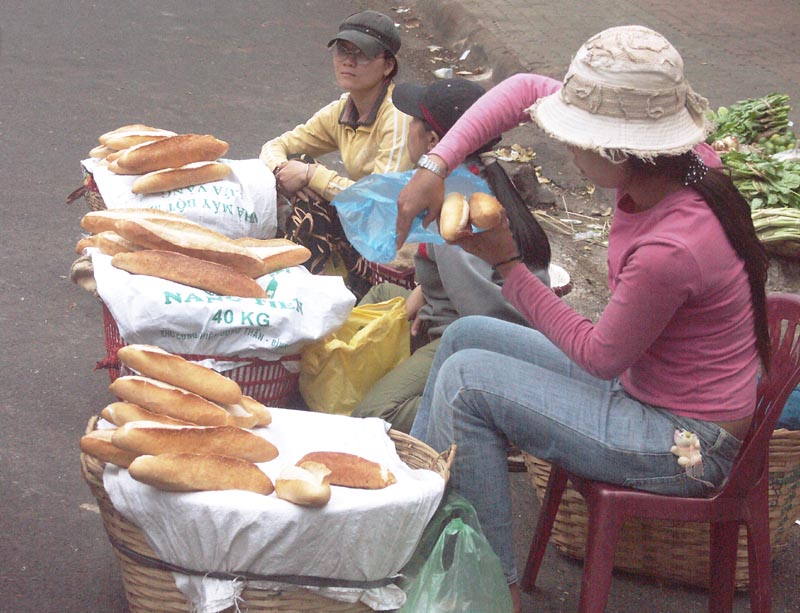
<point x="428" y="164"/>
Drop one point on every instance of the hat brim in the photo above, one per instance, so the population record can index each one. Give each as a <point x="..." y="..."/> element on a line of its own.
<point x="371" y="47"/>
<point x="648" y="138"/>
<point x="407" y="97"/>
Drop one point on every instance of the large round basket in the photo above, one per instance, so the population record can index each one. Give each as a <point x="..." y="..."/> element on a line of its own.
<point x="150" y="587"/>
<point x="679" y="551"/>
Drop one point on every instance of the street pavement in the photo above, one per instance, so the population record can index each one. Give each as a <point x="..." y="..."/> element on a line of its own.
<point x="243" y="70"/>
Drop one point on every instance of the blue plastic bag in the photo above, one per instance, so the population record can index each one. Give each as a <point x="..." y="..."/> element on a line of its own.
<point x="368" y="211"/>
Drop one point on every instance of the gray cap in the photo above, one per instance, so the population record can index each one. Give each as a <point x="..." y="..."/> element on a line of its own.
<point x="370" y="31"/>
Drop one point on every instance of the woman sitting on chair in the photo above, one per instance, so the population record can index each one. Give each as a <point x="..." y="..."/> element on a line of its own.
<point x="677" y="347"/>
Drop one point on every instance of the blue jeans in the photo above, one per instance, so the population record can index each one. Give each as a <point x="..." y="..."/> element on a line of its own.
<point x="494" y="383"/>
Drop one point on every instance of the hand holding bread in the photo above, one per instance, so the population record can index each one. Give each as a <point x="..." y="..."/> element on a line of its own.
<point x="459" y="213"/>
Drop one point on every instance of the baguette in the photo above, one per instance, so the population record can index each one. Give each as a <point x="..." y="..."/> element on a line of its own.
<point x="191" y="472"/>
<point x="85" y="243"/>
<point x="169" y="400"/>
<point x="120" y="413"/>
<point x="154" y="362"/>
<point x="168" y="179"/>
<point x="307" y="484"/>
<point x="350" y="470"/>
<point x="484" y="210"/>
<point x="251" y="405"/>
<point x="172" y="152"/>
<point x="191" y="271"/>
<point x="150" y="438"/>
<point x="278" y="257"/>
<point x="97" y="444"/>
<point x="122" y="139"/>
<point x="454" y="217"/>
<point x="190" y="239"/>
<point x="102" y="221"/>
<point x="100" y="152"/>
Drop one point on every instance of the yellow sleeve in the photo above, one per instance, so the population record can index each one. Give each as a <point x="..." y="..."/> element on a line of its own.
<point x="386" y="140"/>
<point x="315" y="137"/>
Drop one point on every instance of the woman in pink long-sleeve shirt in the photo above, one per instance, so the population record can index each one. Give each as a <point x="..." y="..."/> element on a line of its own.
<point x="677" y="347"/>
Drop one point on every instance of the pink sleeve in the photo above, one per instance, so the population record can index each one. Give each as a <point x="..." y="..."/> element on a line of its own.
<point x="501" y="108"/>
<point x="651" y="287"/>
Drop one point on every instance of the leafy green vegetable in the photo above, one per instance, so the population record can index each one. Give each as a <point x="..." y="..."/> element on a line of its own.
<point x="748" y="120"/>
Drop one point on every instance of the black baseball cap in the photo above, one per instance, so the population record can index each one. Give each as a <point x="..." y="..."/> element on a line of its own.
<point x="440" y="104"/>
<point x="370" y="31"/>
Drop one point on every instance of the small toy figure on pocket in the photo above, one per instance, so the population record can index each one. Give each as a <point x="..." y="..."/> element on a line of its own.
<point x="687" y="448"/>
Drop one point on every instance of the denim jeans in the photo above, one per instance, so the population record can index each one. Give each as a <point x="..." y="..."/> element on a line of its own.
<point x="494" y="383"/>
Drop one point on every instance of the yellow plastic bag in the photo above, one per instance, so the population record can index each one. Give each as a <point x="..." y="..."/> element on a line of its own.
<point x="338" y="370"/>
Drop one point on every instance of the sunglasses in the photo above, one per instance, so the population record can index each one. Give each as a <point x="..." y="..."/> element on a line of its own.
<point x="340" y="53"/>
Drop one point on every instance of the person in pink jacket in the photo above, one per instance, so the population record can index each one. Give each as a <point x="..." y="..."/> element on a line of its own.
<point x="677" y="348"/>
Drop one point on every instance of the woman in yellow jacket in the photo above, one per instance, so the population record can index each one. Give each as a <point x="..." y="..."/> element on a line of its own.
<point x="363" y="125"/>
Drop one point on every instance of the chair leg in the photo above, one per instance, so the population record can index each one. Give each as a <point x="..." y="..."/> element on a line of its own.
<point x="724" y="543"/>
<point x="759" y="551"/>
<point x="556" y="485"/>
<point x="605" y="522"/>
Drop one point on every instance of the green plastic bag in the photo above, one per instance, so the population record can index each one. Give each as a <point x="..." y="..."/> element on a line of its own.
<point x="461" y="575"/>
<point x="451" y="507"/>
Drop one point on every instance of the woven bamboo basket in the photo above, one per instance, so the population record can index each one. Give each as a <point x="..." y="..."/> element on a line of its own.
<point x="149" y="587"/>
<point x="679" y="551"/>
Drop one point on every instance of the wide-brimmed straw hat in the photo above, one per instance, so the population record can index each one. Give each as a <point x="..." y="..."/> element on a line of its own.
<point x="625" y="91"/>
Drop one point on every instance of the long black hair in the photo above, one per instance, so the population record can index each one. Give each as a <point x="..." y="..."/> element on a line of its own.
<point x="733" y="213"/>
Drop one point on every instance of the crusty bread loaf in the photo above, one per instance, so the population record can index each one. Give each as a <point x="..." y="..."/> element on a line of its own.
<point x="122" y="139"/>
<point x="120" y="413"/>
<point x="240" y="416"/>
<point x="251" y="405"/>
<point x="352" y="470"/>
<point x="190" y="239"/>
<point x="102" y="221"/>
<point x="454" y="217"/>
<point x="484" y="210"/>
<point x="172" y="152"/>
<point x="307" y="484"/>
<point x="111" y="243"/>
<point x="169" y="400"/>
<point x="85" y="243"/>
<point x="187" y="270"/>
<point x="278" y="257"/>
<point x="152" y="361"/>
<point x="97" y="444"/>
<point x="191" y="472"/>
<point x="168" y="179"/>
<point x="150" y="438"/>
<point x="100" y="152"/>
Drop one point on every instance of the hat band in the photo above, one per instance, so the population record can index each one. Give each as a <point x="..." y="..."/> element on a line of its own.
<point x="379" y="36"/>
<point x="429" y="118"/>
<point x="626" y="103"/>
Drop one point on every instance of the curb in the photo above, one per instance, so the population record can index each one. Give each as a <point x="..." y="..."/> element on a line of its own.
<point x="462" y="30"/>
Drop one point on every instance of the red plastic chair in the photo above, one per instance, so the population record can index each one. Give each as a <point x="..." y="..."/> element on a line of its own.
<point x="743" y="499"/>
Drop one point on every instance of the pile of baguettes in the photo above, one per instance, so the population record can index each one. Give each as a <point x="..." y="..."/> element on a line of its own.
<point x="169" y="246"/>
<point x="164" y="159"/>
<point x="183" y="427"/>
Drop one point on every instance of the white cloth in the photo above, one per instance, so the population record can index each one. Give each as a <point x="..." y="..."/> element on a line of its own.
<point x="360" y="535"/>
<point x="242" y="204"/>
